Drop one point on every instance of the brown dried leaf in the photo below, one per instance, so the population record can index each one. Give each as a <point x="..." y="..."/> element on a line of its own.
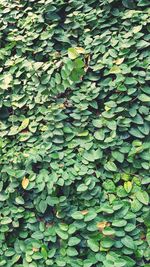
<point x="102" y="225"/>
<point x="84" y="212"/>
<point x="35" y="249"/>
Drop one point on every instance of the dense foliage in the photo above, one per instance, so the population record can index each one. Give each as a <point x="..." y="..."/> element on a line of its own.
<point x="74" y="133"/>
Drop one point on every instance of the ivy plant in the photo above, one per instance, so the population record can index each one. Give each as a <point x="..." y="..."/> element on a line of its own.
<point x="74" y="133"/>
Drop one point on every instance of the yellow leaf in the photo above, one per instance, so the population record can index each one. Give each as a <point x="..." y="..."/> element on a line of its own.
<point x="25" y="182"/>
<point x="6" y="81"/>
<point x="128" y="186"/>
<point x="72" y="53"/>
<point x="103" y="249"/>
<point x="26" y="155"/>
<point x="24" y="124"/>
<point x="107" y="108"/>
<point x="119" y="61"/>
<point x="57" y="215"/>
<point x="115" y="70"/>
<point x="62" y="106"/>
<point x="35" y="249"/>
<point x="125" y="176"/>
<point x="137" y="28"/>
<point x="80" y="50"/>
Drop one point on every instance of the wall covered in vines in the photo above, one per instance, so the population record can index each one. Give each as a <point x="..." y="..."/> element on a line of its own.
<point x="74" y="133"/>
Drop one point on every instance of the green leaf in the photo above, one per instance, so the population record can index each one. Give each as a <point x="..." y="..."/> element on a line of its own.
<point x="130" y="81"/>
<point x="42" y="206"/>
<point x="112" y="125"/>
<point x="122" y="88"/>
<point x="144" y="98"/>
<point x="129" y="227"/>
<point x="108" y="231"/>
<point x="19" y="200"/>
<point x="82" y="188"/>
<point x="129" y="4"/>
<point x="44" y="252"/>
<point x="109" y="186"/>
<point x="107" y="242"/>
<point x="97" y="123"/>
<point x="77" y="215"/>
<point x="73" y="241"/>
<point x="90" y="216"/>
<point x="143" y="197"/>
<point x="93" y="245"/>
<point x="125" y="176"/>
<point x="128" y="242"/>
<point x="99" y="135"/>
<point x="147" y="219"/>
<point x="78" y="63"/>
<point x="142" y="44"/>
<point x="92" y="155"/>
<point x="119" y="223"/>
<point x="85" y="133"/>
<point x="135" y="132"/>
<point x="6" y="220"/>
<point x="62" y="234"/>
<point x="118" y="156"/>
<point x="148" y="238"/>
<point x="110" y="166"/>
<point x="72" y="252"/>
<point x="37" y="235"/>
<point x="13" y="130"/>
<point x="76" y="74"/>
<point x="135" y="205"/>
<point x="143" y="3"/>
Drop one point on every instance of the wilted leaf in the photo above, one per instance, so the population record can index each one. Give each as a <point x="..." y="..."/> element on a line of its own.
<point x="102" y="225"/>
<point x="84" y="212"/>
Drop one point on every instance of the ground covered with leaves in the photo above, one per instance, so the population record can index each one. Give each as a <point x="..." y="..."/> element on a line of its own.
<point x="74" y="133"/>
